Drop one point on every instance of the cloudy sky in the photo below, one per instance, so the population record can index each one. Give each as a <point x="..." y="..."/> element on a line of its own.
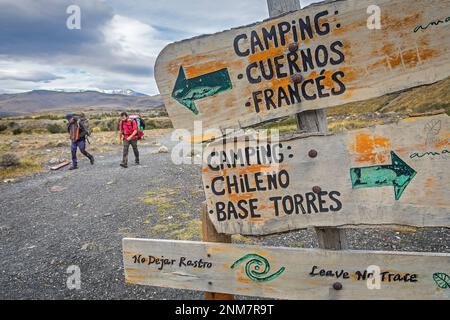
<point x="117" y="44"/>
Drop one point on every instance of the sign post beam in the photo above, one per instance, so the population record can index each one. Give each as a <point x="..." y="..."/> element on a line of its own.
<point x="209" y="234"/>
<point x="311" y="121"/>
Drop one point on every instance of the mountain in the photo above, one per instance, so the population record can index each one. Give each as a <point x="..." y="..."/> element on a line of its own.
<point x="56" y="101"/>
<point x="124" y="92"/>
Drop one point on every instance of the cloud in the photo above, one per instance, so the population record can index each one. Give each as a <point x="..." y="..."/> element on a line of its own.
<point x="117" y="45"/>
<point x="38" y="28"/>
<point x="32" y="76"/>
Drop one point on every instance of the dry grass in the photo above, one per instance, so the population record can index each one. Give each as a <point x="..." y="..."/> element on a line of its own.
<point x="421" y="99"/>
<point x="344" y="125"/>
<point x="26" y="166"/>
<point x="192" y="231"/>
<point x="417" y="100"/>
<point x="37" y="148"/>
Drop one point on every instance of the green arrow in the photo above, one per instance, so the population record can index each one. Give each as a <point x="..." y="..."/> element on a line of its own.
<point x="186" y="91"/>
<point x="397" y="174"/>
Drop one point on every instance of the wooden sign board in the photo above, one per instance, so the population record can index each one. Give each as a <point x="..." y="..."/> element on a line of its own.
<point x="391" y="174"/>
<point x="241" y="77"/>
<point x="286" y="273"/>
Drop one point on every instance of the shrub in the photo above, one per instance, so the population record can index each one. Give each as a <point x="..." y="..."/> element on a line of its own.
<point x="50" y="116"/>
<point x="158" y="124"/>
<point x="9" y="160"/>
<point x="96" y="130"/>
<point x="109" y="125"/>
<point x="3" y="127"/>
<point x="55" y="128"/>
<point x="113" y="125"/>
<point x="17" y="131"/>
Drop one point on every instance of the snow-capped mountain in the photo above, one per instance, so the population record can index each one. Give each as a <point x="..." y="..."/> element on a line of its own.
<point x="123" y="92"/>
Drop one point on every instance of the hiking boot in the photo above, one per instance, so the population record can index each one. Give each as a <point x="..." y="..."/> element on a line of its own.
<point x="91" y="159"/>
<point x="73" y="167"/>
<point x="137" y="162"/>
<point x="123" y="165"/>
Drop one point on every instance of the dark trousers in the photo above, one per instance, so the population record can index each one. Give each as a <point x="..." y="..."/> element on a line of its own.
<point x="126" y="146"/>
<point x="81" y="144"/>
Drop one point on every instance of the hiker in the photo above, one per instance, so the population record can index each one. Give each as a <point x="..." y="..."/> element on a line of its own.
<point x="78" y="133"/>
<point x="129" y="135"/>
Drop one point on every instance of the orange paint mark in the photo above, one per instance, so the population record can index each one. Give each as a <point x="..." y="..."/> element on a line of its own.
<point x="237" y="197"/>
<point x="251" y="219"/>
<point x="348" y="94"/>
<point x="203" y="137"/>
<point x="426" y="54"/>
<point x="372" y="148"/>
<point x="429" y="182"/>
<point x="132" y="281"/>
<point x="442" y="144"/>
<point x="254" y="168"/>
<point x="204" y="68"/>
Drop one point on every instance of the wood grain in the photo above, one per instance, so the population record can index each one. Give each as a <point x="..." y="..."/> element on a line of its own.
<point x="289" y="276"/>
<point x="376" y="62"/>
<point x="422" y="143"/>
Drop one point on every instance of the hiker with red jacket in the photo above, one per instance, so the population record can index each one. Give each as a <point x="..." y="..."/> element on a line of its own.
<point x="77" y="132"/>
<point x="129" y="132"/>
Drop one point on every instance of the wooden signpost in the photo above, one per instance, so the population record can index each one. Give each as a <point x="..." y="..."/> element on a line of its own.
<point x="286" y="273"/>
<point x="324" y="55"/>
<point x="300" y="63"/>
<point x="390" y="174"/>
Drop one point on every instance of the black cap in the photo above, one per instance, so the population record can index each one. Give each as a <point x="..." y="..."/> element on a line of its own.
<point x="124" y="114"/>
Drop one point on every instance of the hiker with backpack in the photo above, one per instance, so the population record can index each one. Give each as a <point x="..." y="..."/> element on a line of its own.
<point x="78" y="130"/>
<point x="130" y="132"/>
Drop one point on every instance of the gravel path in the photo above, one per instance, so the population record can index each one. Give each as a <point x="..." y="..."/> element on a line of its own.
<point x="53" y="220"/>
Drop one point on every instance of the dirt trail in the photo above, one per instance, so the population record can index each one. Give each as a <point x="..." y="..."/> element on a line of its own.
<point x="84" y="219"/>
<point x="42" y="232"/>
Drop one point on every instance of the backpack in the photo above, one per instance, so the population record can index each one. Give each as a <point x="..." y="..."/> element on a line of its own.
<point x="81" y="127"/>
<point x="140" y="124"/>
<point x="83" y="122"/>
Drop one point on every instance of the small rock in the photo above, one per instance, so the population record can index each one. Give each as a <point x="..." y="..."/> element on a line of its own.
<point x="163" y="149"/>
<point x="57" y="189"/>
<point x="110" y="182"/>
<point x="53" y="161"/>
<point x="87" y="246"/>
<point x="107" y="214"/>
<point x="9" y="180"/>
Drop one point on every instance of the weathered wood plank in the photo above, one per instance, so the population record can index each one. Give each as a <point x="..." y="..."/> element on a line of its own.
<point x="410" y="49"/>
<point x="209" y="234"/>
<point x="392" y="174"/>
<point x="311" y="121"/>
<point x="222" y="268"/>
<point x="61" y="165"/>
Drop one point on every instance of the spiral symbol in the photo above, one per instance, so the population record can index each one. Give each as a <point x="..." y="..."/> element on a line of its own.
<point x="257" y="267"/>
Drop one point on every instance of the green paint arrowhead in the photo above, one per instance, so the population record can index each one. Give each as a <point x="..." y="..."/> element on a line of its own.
<point x="186" y="91"/>
<point x="398" y="174"/>
<point x="404" y="174"/>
